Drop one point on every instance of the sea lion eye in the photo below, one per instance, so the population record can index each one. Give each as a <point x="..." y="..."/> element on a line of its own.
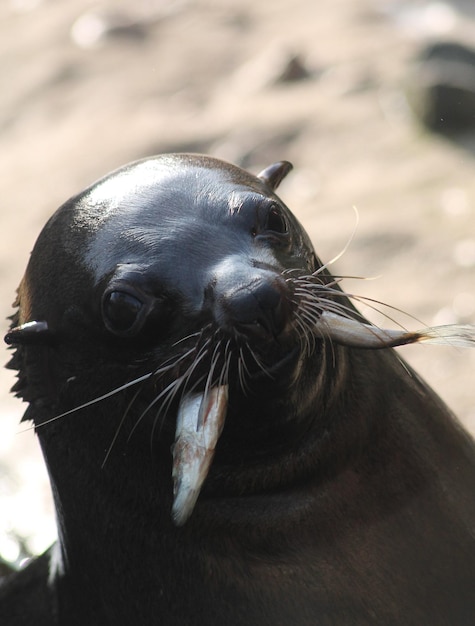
<point x="121" y="312"/>
<point x="276" y="222"/>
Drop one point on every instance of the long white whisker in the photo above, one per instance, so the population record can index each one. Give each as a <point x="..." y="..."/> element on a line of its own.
<point x="345" y="248"/>
<point x="259" y="363"/>
<point x="209" y="383"/>
<point x="224" y="376"/>
<point x="114" y="439"/>
<point x="94" y="401"/>
<point x="192" y="335"/>
<point x="304" y="286"/>
<point x="181" y="384"/>
<point x="171" y="389"/>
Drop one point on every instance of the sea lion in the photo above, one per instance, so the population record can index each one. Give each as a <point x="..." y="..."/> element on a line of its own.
<point x="228" y="441"/>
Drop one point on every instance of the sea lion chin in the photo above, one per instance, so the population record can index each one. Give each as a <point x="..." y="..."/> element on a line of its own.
<point x="228" y="440"/>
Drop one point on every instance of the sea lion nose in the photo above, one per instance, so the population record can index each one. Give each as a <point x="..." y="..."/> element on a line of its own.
<point x="256" y="307"/>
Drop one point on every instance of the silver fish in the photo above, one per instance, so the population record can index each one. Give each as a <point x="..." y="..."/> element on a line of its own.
<point x="200" y="421"/>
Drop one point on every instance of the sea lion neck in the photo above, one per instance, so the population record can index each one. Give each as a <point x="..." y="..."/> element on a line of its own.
<point x="128" y="498"/>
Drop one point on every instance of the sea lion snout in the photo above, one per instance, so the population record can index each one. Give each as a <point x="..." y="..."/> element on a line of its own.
<point x="258" y="309"/>
<point x="250" y="301"/>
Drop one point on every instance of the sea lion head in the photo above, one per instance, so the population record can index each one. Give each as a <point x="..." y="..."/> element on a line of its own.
<point x="174" y="277"/>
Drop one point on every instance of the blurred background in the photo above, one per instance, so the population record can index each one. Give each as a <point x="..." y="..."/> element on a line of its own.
<point x="372" y="100"/>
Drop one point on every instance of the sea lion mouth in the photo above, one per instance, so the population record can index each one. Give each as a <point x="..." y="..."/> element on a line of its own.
<point x="201" y="415"/>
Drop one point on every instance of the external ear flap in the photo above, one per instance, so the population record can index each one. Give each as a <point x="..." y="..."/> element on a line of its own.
<point x="275" y="173"/>
<point x="27" y="333"/>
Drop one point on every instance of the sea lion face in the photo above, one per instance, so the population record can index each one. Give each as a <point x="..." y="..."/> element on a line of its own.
<point x="192" y="240"/>
<point x="176" y="271"/>
<point x="164" y="248"/>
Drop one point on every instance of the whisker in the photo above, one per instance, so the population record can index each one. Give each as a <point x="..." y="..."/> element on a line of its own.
<point x="167" y="366"/>
<point x="305" y="285"/>
<point x="197" y="334"/>
<point x="172" y="388"/>
<point x="243" y="371"/>
<point x="186" y="376"/>
<point x="224" y="376"/>
<point x="345" y="247"/>
<point x="371" y="302"/>
<point x="259" y="363"/>
<point x="181" y="384"/>
<point x="318" y="307"/>
<point x="209" y="382"/>
<point x="109" y="394"/>
<point x="114" y="439"/>
<point x="304" y="335"/>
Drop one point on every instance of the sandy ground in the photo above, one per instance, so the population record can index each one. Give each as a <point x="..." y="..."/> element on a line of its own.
<point x="87" y="87"/>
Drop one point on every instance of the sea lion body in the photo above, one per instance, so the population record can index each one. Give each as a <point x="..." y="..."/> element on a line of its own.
<point x="341" y="490"/>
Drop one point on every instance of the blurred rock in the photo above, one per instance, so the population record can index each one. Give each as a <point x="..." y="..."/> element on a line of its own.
<point x="95" y="27"/>
<point x="273" y="66"/>
<point x="293" y="69"/>
<point x="441" y="87"/>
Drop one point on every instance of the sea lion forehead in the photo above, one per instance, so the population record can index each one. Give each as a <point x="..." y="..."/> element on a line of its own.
<point x="164" y="190"/>
<point x="145" y="204"/>
<point x="172" y="177"/>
